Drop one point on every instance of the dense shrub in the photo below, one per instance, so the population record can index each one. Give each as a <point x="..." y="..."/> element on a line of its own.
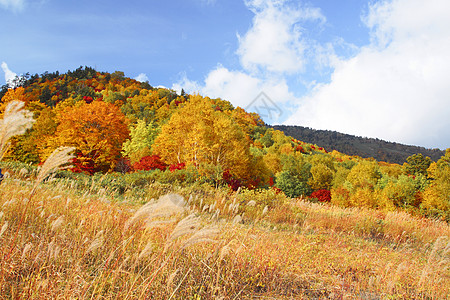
<point x="150" y="163"/>
<point x="321" y="195"/>
<point x="82" y="164"/>
<point x="340" y="196"/>
<point x="291" y="185"/>
<point x="179" y="166"/>
<point x="232" y="182"/>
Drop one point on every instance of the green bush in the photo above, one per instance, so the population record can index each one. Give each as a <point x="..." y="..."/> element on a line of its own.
<point x="291" y="185"/>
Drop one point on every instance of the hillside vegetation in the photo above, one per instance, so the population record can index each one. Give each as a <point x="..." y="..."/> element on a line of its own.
<point x="117" y="124"/>
<point x="115" y="189"/>
<point x="355" y="145"/>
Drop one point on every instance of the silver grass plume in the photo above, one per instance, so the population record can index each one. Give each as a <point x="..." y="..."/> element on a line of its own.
<point x="159" y="212"/>
<point x="16" y="121"/>
<point x="187" y="225"/>
<point x="191" y="225"/>
<point x="207" y="234"/>
<point x="55" y="161"/>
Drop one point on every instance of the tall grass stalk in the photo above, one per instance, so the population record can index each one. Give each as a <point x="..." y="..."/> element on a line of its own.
<point x="82" y="247"/>
<point x="58" y="158"/>
<point x="16" y="121"/>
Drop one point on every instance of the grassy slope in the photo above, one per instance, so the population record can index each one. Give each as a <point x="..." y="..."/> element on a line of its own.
<point x="73" y="244"/>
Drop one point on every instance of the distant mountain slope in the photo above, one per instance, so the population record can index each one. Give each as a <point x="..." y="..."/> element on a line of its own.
<point x="354" y="145"/>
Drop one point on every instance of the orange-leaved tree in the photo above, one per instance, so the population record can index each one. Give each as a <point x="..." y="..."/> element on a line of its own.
<point x="97" y="131"/>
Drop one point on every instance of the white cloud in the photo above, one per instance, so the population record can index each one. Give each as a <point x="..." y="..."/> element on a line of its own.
<point x="187" y="85"/>
<point x="397" y="87"/>
<point x="141" y="77"/>
<point x="9" y="75"/>
<point x="274" y="42"/>
<point x="238" y="87"/>
<point x="235" y="86"/>
<point x="14" y="5"/>
<point x="271" y="48"/>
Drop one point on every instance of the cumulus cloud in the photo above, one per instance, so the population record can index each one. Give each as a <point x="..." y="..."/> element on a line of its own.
<point x="141" y="77"/>
<point x="271" y="48"/>
<point x="187" y="85"/>
<point x="274" y="42"/>
<point x="240" y="88"/>
<point x="14" y="5"/>
<point x="9" y="75"/>
<point x="396" y="88"/>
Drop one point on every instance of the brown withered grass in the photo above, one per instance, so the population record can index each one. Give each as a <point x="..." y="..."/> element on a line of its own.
<point x="90" y="247"/>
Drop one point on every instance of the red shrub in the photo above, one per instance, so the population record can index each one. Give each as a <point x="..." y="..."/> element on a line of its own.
<point x="179" y="166"/>
<point x="81" y="164"/>
<point x="150" y="163"/>
<point x="231" y="181"/>
<point x="88" y="99"/>
<point x="277" y="190"/>
<point x="321" y="195"/>
<point x="300" y="149"/>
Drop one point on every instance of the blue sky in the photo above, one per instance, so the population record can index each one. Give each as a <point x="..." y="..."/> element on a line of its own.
<point x="370" y="68"/>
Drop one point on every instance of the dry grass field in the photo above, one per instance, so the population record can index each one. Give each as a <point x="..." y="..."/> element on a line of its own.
<point x="60" y="242"/>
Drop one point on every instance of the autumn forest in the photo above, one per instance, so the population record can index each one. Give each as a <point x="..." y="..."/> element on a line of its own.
<point x="121" y="126"/>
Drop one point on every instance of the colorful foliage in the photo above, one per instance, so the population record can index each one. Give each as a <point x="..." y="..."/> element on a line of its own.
<point x="321" y="195"/>
<point x="200" y="136"/>
<point x="151" y="162"/>
<point x="179" y="166"/>
<point x="97" y="130"/>
<point x="231" y="181"/>
<point x="117" y="122"/>
<point x="82" y="164"/>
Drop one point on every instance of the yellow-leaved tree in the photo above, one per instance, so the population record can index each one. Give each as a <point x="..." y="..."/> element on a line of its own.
<point x="436" y="198"/>
<point x="205" y="138"/>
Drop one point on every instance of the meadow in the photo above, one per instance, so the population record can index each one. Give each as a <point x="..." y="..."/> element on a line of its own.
<point x="62" y="238"/>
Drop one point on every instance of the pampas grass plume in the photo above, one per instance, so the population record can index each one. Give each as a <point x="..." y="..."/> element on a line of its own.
<point x="55" y="161"/>
<point x="16" y="121"/>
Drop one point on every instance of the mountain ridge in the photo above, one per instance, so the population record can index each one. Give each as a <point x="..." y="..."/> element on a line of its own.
<point x="381" y="150"/>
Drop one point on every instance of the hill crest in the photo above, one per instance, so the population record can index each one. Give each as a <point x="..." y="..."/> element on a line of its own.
<point x="354" y="145"/>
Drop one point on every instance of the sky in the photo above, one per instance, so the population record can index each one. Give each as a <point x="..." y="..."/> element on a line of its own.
<point x="370" y="68"/>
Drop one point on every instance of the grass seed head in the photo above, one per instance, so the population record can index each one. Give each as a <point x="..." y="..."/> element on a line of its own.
<point x="4" y="227"/>
<point x="16" y="121"/>
<point x="55" y="161"/>
<point x="207" y="234"/>
<point x="152" y="212"/>
<point x="57" y="223"/>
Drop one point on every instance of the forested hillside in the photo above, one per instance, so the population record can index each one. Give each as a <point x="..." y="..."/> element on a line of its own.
<point x="137" y="134"/>
<point x="360" y="146"/>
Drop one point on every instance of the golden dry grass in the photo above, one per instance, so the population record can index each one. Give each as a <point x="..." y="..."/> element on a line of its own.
<point x="90" y="247"/>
